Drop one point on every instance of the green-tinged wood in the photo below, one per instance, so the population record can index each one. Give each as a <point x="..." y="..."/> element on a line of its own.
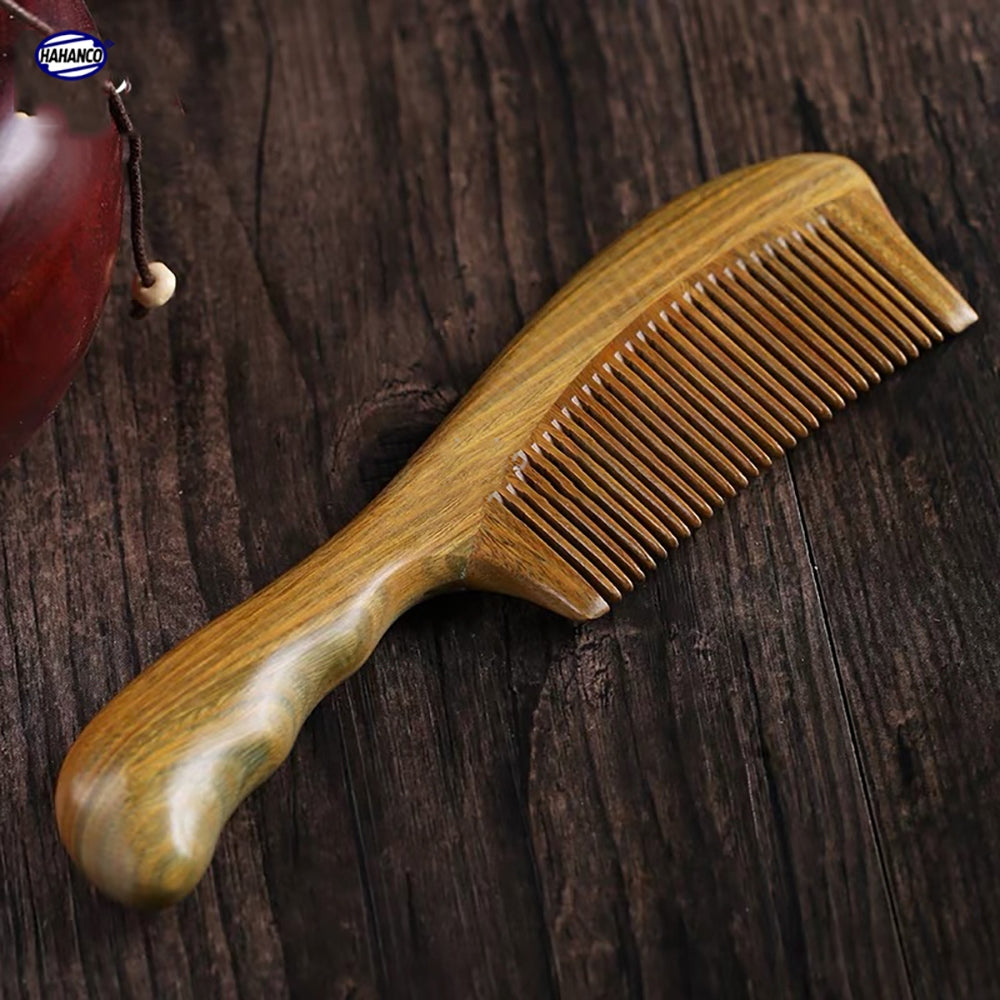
<point x="767" y="772"/>
<point x="597" y="490"/>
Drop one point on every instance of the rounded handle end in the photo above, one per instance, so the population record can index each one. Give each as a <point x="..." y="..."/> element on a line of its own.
<point x="140" y="806"/>
<point x="144" y="840"/>
<point x="147" y="787"/>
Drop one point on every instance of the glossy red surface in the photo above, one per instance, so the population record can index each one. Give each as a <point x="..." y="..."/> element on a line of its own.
<point x="60" y="222"/>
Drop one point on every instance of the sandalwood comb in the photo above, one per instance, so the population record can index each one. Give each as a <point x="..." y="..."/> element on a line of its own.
<point x="672" y="369"/>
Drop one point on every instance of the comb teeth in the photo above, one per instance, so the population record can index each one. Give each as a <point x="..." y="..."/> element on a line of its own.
<point x="725" y="374"/>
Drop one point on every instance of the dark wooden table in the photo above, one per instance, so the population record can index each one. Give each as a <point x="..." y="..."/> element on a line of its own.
<point x="772" y="772"/>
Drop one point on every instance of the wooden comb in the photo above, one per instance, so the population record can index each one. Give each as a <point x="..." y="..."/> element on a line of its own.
<point x="672" y="369"/>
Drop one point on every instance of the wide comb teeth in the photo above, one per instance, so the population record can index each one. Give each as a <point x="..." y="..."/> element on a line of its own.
<point x="733" y="367"/>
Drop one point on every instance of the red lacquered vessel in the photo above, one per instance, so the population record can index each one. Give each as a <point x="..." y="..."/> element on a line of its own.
<point x="60" y="221"/>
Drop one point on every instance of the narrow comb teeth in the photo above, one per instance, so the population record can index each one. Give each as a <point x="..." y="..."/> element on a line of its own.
<point x="608" y="406"/>
<point x="914" y="318"/>
<point x="724" y="375"/>
<point x="613" y="476"/>
<point x="618" y="534"/>
<point x="665" y="363"/>
<point x="869" y="316"/>
<point x="800" y="372"/>
<point x="625" y="393"/>
<point x="720" y="369"/>
<point x="856" y="328"/>
<point x="687" y="407"/>
<point x="618" y="510"/>
<point x="662" y="487"/>
<point x="803" y="308"/>
<point x="780" y="316"/>
<point x="763" y="362"/>
<point x="787" y="410"/>
<point x="564" y="540"/>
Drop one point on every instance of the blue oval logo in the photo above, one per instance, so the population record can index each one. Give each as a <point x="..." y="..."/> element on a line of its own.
<point x="71" y="55"/>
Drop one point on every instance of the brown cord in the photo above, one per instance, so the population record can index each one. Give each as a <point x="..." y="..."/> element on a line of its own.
<point x="120" y="116"/>
<point x="136" y="202"/>
<point x="30" y="19"/>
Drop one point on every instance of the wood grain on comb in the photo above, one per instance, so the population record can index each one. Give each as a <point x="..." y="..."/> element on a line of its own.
<point x="678" y="413"/>
<point x="672" y="369"/>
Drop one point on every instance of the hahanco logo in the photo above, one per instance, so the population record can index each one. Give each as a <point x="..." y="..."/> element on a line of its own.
<point x="71" y="55"/>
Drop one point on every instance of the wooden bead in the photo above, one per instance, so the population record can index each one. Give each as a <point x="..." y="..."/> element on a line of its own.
<point x="160" y="291"/>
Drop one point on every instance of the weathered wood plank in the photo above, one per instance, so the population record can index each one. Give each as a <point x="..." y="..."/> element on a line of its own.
<point x="910" y="590"/>
<point x="769" y="773"/>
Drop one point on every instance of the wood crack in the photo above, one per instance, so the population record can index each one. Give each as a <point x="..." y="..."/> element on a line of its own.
<point x="864" y="777"/>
